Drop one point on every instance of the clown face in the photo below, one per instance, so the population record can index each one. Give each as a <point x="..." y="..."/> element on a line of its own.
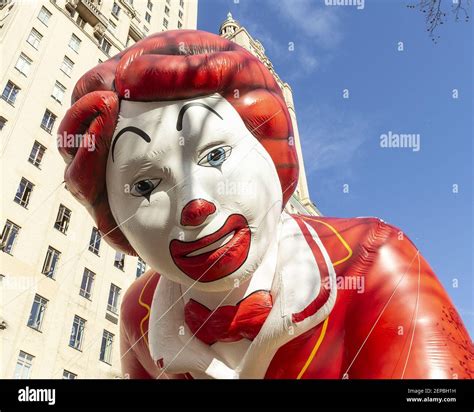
<point x="194" y="192"/>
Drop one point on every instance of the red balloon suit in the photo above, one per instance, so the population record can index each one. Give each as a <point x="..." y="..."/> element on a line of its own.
<point x="398" y="323"/>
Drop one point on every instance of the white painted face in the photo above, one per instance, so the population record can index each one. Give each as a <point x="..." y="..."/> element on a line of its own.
<point x="196" y="195"/>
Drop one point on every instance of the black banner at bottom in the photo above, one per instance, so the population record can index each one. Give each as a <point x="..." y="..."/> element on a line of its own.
<point x="135" y="395"/>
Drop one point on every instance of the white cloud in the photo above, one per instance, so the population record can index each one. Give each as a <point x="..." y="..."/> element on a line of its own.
<point x="310" y="62"/>
<point x="314" y="29"/>
<point x="331" y="138"/>
<point x="314" y="20"/>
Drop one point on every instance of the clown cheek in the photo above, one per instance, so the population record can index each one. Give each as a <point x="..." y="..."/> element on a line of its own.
<point x="250" y="182"/>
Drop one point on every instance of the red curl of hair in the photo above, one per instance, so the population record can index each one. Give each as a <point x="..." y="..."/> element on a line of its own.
<point x="172" y="65"/>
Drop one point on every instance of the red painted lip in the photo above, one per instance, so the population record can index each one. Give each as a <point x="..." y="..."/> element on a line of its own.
<point x="215" y="264"/>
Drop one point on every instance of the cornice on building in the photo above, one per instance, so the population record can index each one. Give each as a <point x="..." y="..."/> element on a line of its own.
<point x="257" y="50"/>
<point x="87" y="10"/>
<point x="129" y="7"/>
<point x="99" y="30"/>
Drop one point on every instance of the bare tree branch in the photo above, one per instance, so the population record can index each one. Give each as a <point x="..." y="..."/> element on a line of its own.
<point x="435" y="14"/>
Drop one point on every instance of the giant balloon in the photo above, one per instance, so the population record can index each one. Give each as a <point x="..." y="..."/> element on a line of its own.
<point x="193" y="163"/>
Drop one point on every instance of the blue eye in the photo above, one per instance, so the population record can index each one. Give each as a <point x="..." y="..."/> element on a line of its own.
<point x="215" y="157"/>
<point x="144" y="187"/>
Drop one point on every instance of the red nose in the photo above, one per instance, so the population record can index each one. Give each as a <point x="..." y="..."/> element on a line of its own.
<point x="196" y="212"/>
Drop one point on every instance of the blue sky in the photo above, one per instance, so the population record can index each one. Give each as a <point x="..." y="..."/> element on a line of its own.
<point x="410" y="91"/>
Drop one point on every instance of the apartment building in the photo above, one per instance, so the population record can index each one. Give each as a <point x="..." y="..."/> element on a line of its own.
<point x="60" y="283"/>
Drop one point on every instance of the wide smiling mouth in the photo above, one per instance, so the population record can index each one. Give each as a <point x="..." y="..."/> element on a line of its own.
<point x="216" y="255"/>
<point x="213" y="246"/>
<point x="214" y="241"/>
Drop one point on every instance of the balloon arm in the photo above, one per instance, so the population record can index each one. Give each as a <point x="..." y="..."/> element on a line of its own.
<point x="413" y="317"/>
<point x="131" y="366"/>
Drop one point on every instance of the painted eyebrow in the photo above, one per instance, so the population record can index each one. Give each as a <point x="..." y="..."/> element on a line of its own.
<point x="132" y="129"/>
<point x="179" y="123"/>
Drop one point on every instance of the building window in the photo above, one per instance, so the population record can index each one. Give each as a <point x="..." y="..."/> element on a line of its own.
<point x="23" y="193"/>
<point x="80" y="22"/>
<point x="147" y="17"/>
<point x="63" y="219"/>
<point x="10" y="92"/>
<point x="44" y="16"/>
<point x="180" y="24"/>
<point x="3" y="122"/>
<point x="105" y="45"/>
<point x="58" y="92"/>
<point x="119" y="261"/>
<point x="181" y="3"/>
<point x="94" y="242"/>
<point x="37" y="153"/>
<point x="180" y="14"/>
<point x="115" y="10"/>
<point x="48" y="120"/>
<point x="37" y="312"/>
<point x="87" y="283"/>
<point x="34" y="38"/>
<point x="106" y="347"/>
<point x="75" y="43"/>
<point x="9" y="235"/>
<point x="165" y="23"/>
<point x="114" y="295"/>
<point x="167" y="10"/>
<point x="141" y="267"/>
<point x="23" y="367"/>
<point x="50" y="262"/>
<point x="67" y="66"/>
<point x="68" y="375"/>
<point x="23" y="64"/>
<point x="149" y="5"/>
<point x="77" y="333"/>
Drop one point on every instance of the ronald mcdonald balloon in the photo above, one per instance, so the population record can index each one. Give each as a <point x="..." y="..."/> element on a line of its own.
<point x="193" y="163"/>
